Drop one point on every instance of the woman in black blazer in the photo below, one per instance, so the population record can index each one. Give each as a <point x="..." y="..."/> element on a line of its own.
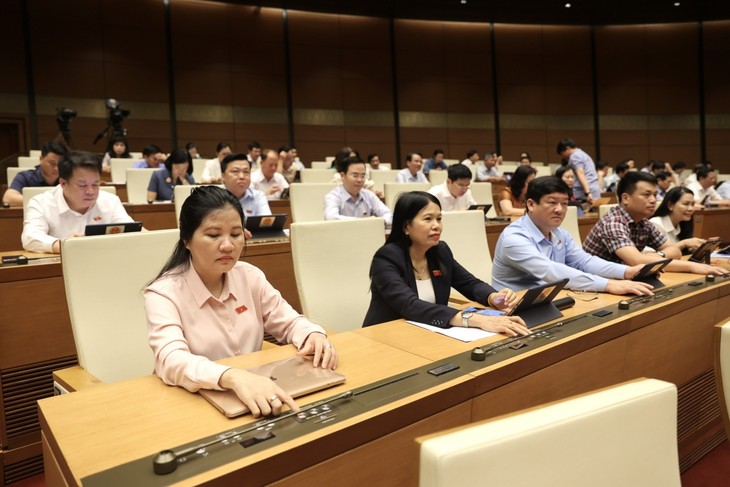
<point x="413" y="273"/>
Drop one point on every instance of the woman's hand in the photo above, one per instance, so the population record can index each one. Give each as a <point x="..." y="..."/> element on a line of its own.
<point x="507" y="325"/>
<point x="260" y="394"/>
<point x="317" y="344"/>
<point x="504" y="299"/>
<point x="691" y="243"/>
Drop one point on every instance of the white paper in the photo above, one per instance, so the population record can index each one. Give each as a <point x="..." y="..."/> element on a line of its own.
<point x="457" y="332"/>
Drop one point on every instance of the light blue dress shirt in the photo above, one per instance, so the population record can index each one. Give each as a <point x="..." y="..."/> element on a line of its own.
<point x="524" y="258"/>
<point x="254" y="203"/>
<point x="340" y="205"/>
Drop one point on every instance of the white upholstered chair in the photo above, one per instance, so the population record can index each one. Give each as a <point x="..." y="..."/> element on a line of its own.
<point x="119" y="168"/>
<point x="28" y="162"/>
<point x="624" y="435"/>
<point x="316" y="175"/>
<point x="138" y="180"/>
<point x="29" y="192"/>
<point x="321" y="165"/>
<point x="603" y="209"/>
<point x="35" y="153"/>
<point x="482" y="194"/>
<point x="385" y="166"/>
<point x="307" y="201"/>
<point x="722" y="371"/>
<point x="437" y="177"/>
<point x="464" y="232"/>
<point x="13" y="171"/>
<point x="180" y="194"/>
<point x="382" y="176"/>
<point x="198" y="167"/>
<point x="104" y="277"/>
<point x="392" y="190"/>
<point x="503" y="168"/>
<point x="332" y="269"/>
<point x="541" y="170"/>
<point x="570" y="223"/>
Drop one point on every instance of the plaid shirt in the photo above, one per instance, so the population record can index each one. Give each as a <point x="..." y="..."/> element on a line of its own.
<point x="617" y="230"/>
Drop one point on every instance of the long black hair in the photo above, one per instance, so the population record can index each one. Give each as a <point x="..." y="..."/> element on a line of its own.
<point x="202" y="201"/>
<point x="517" y="183"/>
<point x="406" y="208"/>
<point x="686" y="228"/>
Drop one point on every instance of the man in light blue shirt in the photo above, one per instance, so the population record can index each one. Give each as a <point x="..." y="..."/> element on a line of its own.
<point x="586" y="185"/>
<point x="152" y="157"/>
<point x="412" y="173"/>
<point x="534" y="249"/>
<point x="350" y="199"/>
<point x="236" y="175"/>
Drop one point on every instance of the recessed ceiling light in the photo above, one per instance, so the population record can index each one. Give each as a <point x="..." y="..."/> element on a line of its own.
<point x="567" y="5"/>
<point x="463" y="2"/>
<point x="676" y="4"/>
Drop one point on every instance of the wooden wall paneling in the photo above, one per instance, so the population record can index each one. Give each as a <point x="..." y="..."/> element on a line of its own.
<point x="12" y="50"/>
<point x="717" y="86"/>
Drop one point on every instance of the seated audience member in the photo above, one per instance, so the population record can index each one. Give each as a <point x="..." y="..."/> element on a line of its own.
<point x="350" y="199"/>
<point x="343" y="154"/>
<point x="612" y="179"/>
<point x="623" y="233"/>
<point x="488" y="172"/>
<point x="659" y="167"/>
<point x="192" y="150"/>
<point x="266" y="179"/>
<point x="413" y="273"/>
<point x="194" y="316"/>
<point x="663" y="183"/>
<point x="254" y="155"/>
<point x="294" y="155"/>
<point x="435" y="163"/>
<point x="412" y="172"/>
<point x="212" y="170"/>
<point x="674" y="219"/>
<point x="44" y="174"/>
<point x="512" y="198"/>
<point x="286" y="165"/>
<point x="602" y="171"/>
<point x="117" y="149"/>
<point x="374" y="162"/>
<point x="586" y="178"/>
<point x="723" y="189"/>
<point x="679" y="167"/>
<point x="454" y="193"/>
<point x="525" y="159"/>
<point x="704" y="188"/>
<point x="152" y="157"/>
<point x="471" y="158"/>
<point x="236" y="171"/>
<point x="692" y="178"/>
<point x="566" y="174"/>
<point x="176" y="170"/>
<point x="535" y="250"/>
<point x="65" y="210"/>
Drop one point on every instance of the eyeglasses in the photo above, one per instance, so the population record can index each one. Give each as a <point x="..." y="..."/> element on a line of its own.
<point x="355" y="175"/>
<point x="462" y="186"/>
<point x="584" y="295"/>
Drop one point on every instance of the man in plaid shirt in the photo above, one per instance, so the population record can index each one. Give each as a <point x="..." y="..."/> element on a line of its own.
<point x="622" y="234"/>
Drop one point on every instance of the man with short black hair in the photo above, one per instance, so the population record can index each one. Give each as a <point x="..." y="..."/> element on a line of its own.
<point x="254" y="155"/>
<point x="412" y="173"/>
<point x="44" y="174"/>
<point x="435" y="163"/>
<point x="704" y="188"/>
<point x="350" y="199"/>
<point x="586" y="185"/>
<point x="236" y="171"/>
<point x="623" y="233"/>
<point x="535" y="250"/>
<point x="152" y="157"/>
<point x="454" y="193"/>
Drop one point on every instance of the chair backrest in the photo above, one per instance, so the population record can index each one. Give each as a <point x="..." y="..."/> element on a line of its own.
<point x="35" y="153"/>
<point x="321" y="165"/>
<point x="571" y="224"/>
<point x="12" y="172"/>
<point x="722" y="371"/>
<point x="437" y="177"/>
<point x="482" y="194"/>
<point x="181" y="192"/>
<point x="385" y="166"/>
<point x="29" y="192"/>
<point x="119" y="168"/>
<point x="198" y="167"/>
<point x="136" y="155"/>
<point x="104" y="277"/>
<point x="392" y="190"/>
<point x="603" y="209"/>
<point x="623" y="435"/>
<point x="307" y="201"/>
<point x="541" y="170"/>
<point x="503" y="168"/>
<point x="138" y="180"/>
<point x="329" y="159"/>
<point x="316" y="175"/>
<point x="28" y="162"/>
<point x="451" y="162"/>
<point x="334" y="282"/>
<point x="465" y="233"/>
<point x="381" y="176"/>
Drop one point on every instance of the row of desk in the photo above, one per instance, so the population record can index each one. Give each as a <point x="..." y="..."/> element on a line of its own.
<point x="108" y="434"/>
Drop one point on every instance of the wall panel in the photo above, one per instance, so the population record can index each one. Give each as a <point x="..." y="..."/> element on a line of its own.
<point x="717" y="92"/>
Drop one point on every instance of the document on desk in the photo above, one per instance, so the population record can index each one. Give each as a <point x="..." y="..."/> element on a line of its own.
<point x="457" y="332"/>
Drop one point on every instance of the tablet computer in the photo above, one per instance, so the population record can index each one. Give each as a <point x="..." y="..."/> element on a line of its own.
<point x="536" y="305"/>
<point x="649" y="272"/>
<point x="267" y="227"/>
<point x="704" y="251"/>
<point x="484" y="208"/>
<point x="112" y="228"/>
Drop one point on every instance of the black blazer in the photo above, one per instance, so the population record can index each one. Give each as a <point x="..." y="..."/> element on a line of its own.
<point x="394" y="292"/>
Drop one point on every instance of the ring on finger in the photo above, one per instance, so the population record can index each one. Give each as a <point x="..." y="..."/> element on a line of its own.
<point x="274" y="398"/>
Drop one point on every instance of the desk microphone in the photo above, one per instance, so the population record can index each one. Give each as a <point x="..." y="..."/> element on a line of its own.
<point x="564" y="303"/>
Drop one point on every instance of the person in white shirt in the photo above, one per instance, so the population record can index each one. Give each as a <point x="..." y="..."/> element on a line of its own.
<point x="454" y="193"/>
<point x="350" y="199"/>
<point x="236" y="172"/>
<point x="674" y="219"/>
<point x="412" y="173"/>
<point x="254" y="155"/>
<point x="704" y="188"/>
<point x="64" y="211"/>
<point x="471" y="158"/>
<point x="266" y="179"/>
<point x="212" y="170"/>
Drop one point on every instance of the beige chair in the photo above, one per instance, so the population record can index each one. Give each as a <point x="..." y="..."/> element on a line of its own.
<point x="35" y="154"/>
<point x="437" y="177"/>
<point x="12" y="172"/>
<point x="28" y="162"/>
<point x="464" y="232"/>
<point x="137" y="156"/>
<point x="331" y="266"/>
<point x="307" y="201"/>
<point x="29" y="192"/>
<point x="385" y="166"/>
<point x="119" y="168"/>
<point x="181" y="192"/>
<point x="381" y="176"/>
<point x="482" y="194"/>
<point x="722" y="371"/>
<point x="603" y="209"/>
<point x="451" y="162"/>
<point x="308" y="176"/>
<point x="503" y="168"/>
<point x="321" y="165"/>
<point x="104" y="277"/>
<point x="625" y="435"/>
<point x="198" y="167"/>
<point x="138" y="180"/>
<point x="329" y="159"/>
<point x="570" y="224"/>
<point x="541" y="170"/>
<point x="392" y="190"/>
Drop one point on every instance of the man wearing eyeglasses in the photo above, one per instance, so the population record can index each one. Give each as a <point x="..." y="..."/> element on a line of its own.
<point x="454" y="193"/>
<point x="350" y="199"/>
<point x="535" y="250"/>
<point x="65" y="210"/>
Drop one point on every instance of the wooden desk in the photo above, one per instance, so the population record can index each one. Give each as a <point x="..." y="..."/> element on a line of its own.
<point x="671" y="340"/>
<point x="156" y="216"/>
<point x="11" y="227"/>
<point x="713" y="222"/>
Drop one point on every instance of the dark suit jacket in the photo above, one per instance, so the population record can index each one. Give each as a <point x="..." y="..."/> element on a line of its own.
<point x="394" y="293"/>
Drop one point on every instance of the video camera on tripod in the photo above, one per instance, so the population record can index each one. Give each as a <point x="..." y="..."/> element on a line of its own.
<point x="114" y="121"/>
